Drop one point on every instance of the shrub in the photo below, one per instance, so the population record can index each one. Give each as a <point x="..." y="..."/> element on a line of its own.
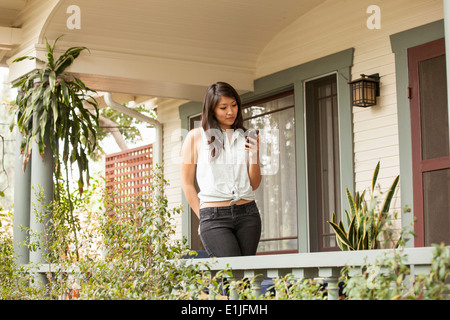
<point x="128" y="253"/>
<point x="14" y="278"/>
<point x="131" y="253"/>
<point x="389" y="278"/>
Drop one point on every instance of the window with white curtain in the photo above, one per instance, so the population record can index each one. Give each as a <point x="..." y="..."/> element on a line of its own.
<point x="323" y="161"/>
<point x="277" y="195"/>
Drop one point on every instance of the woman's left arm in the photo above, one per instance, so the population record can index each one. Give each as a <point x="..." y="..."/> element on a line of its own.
<point x="254" y="170"/>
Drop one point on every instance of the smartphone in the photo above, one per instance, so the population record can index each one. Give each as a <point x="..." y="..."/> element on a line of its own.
<point x="252" y="134"/>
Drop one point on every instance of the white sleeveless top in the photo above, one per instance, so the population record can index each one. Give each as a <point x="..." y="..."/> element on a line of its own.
<point x="225" y="177"/>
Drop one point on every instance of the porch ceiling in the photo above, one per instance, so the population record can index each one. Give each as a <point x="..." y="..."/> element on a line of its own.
<point x="10" y="36"/>
<point x="10" y="9"/>
<point x="168" y="48"/>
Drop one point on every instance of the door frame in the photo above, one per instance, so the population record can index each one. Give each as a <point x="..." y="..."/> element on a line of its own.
<point x="400" y="43"/>
<point x="416" y="54"/>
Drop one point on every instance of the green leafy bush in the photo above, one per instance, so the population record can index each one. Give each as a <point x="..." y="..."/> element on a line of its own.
<point x="131" y="253"/>
<point x="141" y="259"/>
<point x="389" y="278"/>
<point x="128" y="253"/>
<point x="15" y="279"/>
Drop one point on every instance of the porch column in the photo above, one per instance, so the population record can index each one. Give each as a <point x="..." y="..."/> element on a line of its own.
<point x="41" y="179"/>
<point x="21" y="218"/>
<point x="447" y="50"/>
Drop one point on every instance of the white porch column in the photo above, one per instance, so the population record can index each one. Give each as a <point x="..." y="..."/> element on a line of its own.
<point x="447" y="50"/>
<point x="41" y="177"/>
<point x="22" y="185"/>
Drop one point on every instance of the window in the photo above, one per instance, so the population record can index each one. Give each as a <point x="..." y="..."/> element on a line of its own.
<point x="324" y="192"/>
<point x="277" y="195"/>
<point x="283" y="196"/>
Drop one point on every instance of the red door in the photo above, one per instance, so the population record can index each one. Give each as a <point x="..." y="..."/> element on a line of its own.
<point x="430" y="143"/>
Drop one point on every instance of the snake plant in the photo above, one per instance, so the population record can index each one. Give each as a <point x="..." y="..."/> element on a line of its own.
<point x="364" y="220"/>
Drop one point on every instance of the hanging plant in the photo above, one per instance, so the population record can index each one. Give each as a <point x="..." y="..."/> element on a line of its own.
<point x="51" y="110"/>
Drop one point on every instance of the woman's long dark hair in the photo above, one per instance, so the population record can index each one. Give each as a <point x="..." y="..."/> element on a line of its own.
<point x="209" y="122"/>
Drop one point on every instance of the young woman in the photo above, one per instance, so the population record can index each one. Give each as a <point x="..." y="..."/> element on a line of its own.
<point x="224" y="157"/>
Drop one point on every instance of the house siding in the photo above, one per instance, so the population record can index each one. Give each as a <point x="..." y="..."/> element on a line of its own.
<point x="312" y="36"/>
<point x="168" y="115"/>
<point x="375" y="129"/>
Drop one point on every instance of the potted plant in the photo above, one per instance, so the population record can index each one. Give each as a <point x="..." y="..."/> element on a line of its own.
<point x="364" y="220"/>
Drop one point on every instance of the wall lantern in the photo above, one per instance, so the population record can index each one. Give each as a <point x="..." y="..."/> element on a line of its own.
<point x="365" y="90"/>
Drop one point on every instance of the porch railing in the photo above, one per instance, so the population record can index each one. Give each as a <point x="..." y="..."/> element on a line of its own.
<point x="326" y="266"/>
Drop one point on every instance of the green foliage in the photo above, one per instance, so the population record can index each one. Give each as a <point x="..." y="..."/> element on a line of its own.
<point x="128" y="251"/>
<point x="50" y="107"/>
<point x="289" y="288"/>
<point x="141" y="259"/>
<point x="15" y="278"/>
<point x="127" y="125"/>
<point x="364" y="222"/>
<point x="389" y="278"/>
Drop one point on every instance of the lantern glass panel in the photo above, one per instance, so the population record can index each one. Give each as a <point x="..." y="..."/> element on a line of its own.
<point x="364" y="93"/>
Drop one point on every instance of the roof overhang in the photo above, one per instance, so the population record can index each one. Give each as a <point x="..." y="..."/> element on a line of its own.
<point x="165" y="48"/>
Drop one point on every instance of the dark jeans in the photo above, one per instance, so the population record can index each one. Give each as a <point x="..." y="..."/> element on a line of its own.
<point x="230" y="231"/>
